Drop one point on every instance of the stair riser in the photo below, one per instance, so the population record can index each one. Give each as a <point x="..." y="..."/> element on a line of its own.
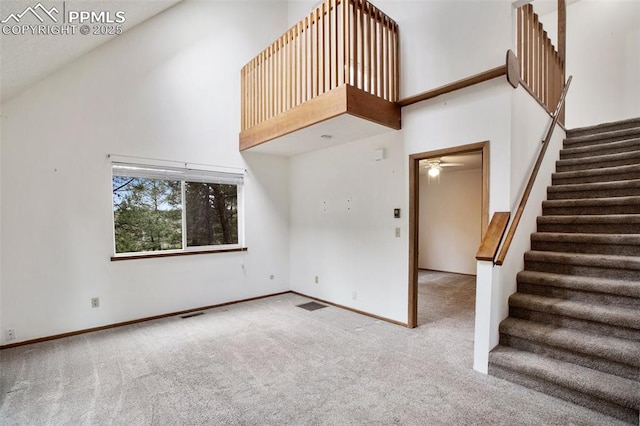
<point x="575" y="141"/>
<point x="604" y="227"/>
<point x="567" y="154"/>
<point x="577" y="210"/>
<point x="565" y="321"/>
<point x="586" y="329"/>
<point x="584" y="248"/>
<point x="588" y="271"/>
<point x="594" y="403"/>
<point x="633" y="123"/>
<point x="612" y="177"/>
<point x="591" y="228"/>
<point x="579" y="295"/>
<point x="591" y="165"/>
<point x="599" y="364"/>
<point x="573" y="195"/>
<point x="571" y="143"/>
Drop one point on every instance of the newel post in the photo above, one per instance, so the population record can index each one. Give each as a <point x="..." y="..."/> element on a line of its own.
<point x="562" y="30"/>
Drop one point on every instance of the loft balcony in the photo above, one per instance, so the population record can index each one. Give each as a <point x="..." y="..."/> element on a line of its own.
<point x="333" y="73"/>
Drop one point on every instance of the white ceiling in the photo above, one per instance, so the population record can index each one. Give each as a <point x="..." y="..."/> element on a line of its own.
<point x="335" y="131"/>
<point x="26" y="59"/>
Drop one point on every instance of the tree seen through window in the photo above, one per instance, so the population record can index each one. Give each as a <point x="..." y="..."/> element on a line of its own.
<point x="148" y="214"/>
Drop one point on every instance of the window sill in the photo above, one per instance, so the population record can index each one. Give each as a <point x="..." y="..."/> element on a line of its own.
<point x="172" y="254"/>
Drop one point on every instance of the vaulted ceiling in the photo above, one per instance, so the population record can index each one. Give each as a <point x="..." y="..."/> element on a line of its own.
<point x="26" y="59"/>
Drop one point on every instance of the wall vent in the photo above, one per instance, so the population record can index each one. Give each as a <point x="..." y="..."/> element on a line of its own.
<point x="311" y="306"/>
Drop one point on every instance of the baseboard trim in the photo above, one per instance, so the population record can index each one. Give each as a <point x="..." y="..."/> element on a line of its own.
<point x="446" y="272"/>
<point x="357" y="311"/>
<point x="136" y="321"/>
<point x="188" y="311"/>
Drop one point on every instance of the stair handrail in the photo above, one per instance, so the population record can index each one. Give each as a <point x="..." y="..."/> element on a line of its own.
<point x="534" y="173"/>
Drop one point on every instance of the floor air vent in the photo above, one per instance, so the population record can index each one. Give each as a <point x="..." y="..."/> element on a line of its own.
<point x="311" y="306"/>
<point x="195" y="314"/>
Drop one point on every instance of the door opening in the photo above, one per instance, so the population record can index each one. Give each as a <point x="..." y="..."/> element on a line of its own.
<point x="430" y="246"/>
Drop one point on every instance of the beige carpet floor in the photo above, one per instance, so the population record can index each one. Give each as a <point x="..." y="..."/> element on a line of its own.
<point x="269" y="362"/>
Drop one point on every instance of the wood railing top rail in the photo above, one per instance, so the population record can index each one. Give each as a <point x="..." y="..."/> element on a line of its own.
<point x="532" y="178"/>
<point x="491" y="242"/>
<point x="510" y="69"/>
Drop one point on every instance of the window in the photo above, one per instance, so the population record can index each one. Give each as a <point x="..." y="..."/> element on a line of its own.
<point x="163" y="209"/>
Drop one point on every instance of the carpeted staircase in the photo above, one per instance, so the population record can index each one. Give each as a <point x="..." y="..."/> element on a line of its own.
<point x="573" y="329"/>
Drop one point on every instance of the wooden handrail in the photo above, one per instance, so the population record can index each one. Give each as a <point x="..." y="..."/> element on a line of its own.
<point x="510" y="69"/>
<point x="532" y="178"/>
<point x="491" y="241"/>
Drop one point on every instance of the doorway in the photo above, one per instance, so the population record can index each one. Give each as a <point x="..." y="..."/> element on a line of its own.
<point x="434" y="163"/>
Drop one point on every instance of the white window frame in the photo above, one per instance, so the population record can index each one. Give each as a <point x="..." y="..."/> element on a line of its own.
<point x="187" y="173"/>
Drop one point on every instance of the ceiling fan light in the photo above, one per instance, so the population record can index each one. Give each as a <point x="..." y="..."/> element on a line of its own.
<point x="434" y="171"/>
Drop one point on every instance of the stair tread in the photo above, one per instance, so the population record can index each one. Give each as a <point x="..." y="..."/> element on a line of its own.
<point x="577" y="237"/>
<point x="599" y="158"/>
<point x="626" y="288"/>
<point x="600" y="346"/>
<point x="600" y="128"/>
<point x="570" y="187"/>
<point x="581" y="202"/>
<point x="593" y="218"/>
<point x="594" y="260"/>
<point x="606" y="314"/>
<point x="624" y="392"/>
<point x="600" y="147"/>
<point x="630" y="132"/>
<point x="569" y="322"/>
<point x="601" y="171"/>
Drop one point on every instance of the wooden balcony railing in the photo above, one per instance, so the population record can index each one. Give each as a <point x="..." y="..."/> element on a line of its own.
<point x="542" y="68"/>
<point x="340" y="42"/>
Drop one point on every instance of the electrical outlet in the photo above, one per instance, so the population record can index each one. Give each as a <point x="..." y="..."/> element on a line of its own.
<point x="354" y="295"/>
<point x="10" y="334"/>
<point x="317" y="280"/>
<point x="95" y="302"/>
<point x="397" y="232"/>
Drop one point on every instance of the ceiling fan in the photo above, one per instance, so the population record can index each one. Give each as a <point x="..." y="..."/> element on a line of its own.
<point x="433" y="166"/>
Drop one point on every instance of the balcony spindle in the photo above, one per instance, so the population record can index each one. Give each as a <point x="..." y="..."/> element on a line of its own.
<point x="340" y="42"/>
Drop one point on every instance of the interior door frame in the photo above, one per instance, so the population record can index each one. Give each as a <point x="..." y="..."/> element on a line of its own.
<point x="414" y="210"/>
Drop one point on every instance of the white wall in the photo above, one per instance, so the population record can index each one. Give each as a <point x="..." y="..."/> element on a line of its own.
<point x="477" y="114"/>
<point x="168" y="89"/>
<point x="343" y="229"/>
<point x="440" y="41"/>
<point x="528" y="128"/>
<point x="603" y="55"/>
<point x="298" y="9"/>
<point x="2" y="329"/>
<point x="450" y="221"/>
